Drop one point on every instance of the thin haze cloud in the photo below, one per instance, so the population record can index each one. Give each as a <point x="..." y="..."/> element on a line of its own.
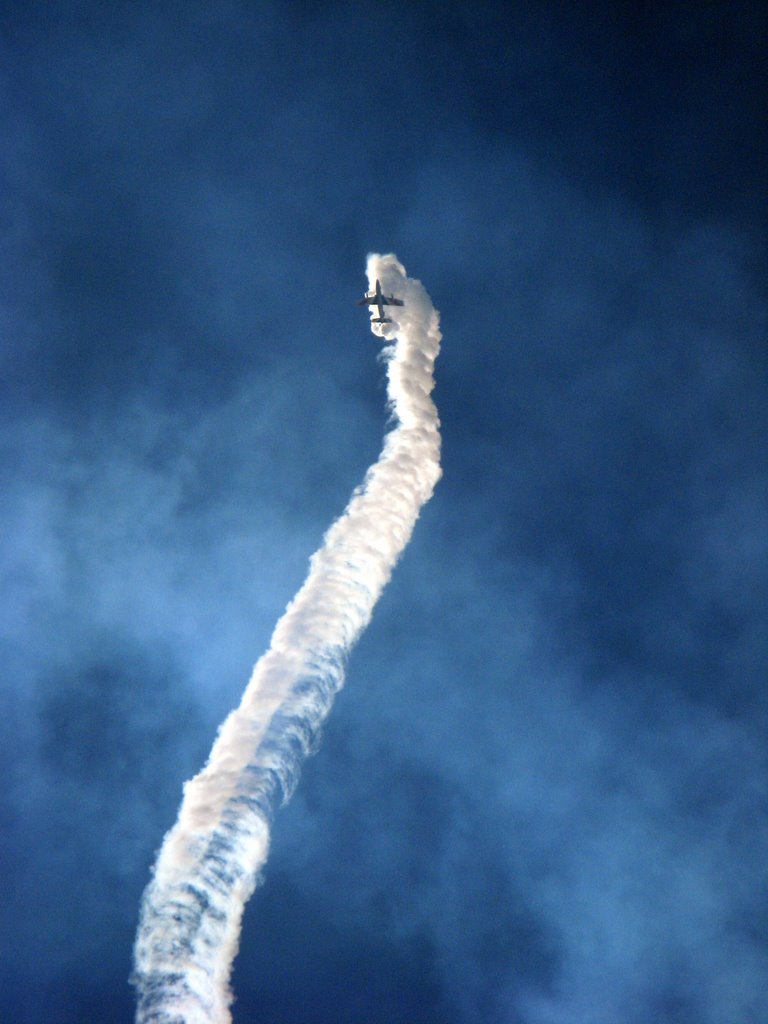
<point x="209" y="862"/>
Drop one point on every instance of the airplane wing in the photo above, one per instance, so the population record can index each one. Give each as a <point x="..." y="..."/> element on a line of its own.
<point x="391" y="301"/>
<point x="367" y="300"/>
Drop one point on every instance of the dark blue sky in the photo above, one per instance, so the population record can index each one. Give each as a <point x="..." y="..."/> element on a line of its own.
<point x="542" y="797"/>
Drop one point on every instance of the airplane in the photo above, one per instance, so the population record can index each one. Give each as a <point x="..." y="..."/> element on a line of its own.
<point x="378" y="298"/>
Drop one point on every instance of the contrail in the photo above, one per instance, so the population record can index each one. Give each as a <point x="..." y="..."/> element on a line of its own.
<point x="209" y="862"/>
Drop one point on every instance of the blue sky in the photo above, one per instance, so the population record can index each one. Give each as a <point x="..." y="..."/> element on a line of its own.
<point x="541" y="798"/>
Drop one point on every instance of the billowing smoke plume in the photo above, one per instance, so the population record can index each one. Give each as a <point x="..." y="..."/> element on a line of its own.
<point x="210" y="860"/>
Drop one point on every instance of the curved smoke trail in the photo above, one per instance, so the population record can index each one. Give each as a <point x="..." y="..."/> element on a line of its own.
<point x="209" y="861"/>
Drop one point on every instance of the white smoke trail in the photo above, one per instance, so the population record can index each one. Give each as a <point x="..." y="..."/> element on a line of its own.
<point x="209" y="861"/>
